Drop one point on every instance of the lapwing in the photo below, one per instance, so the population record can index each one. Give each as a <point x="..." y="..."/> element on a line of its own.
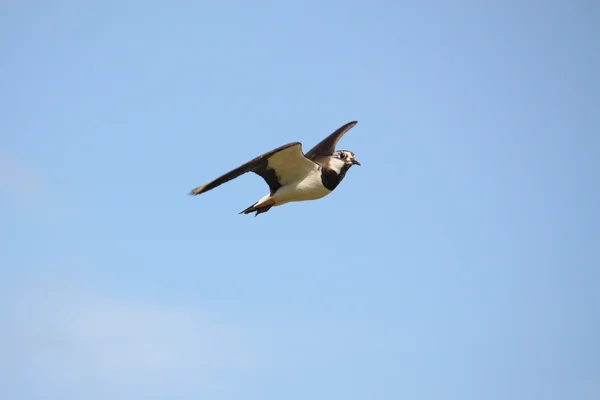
<point x="293" y="175"/>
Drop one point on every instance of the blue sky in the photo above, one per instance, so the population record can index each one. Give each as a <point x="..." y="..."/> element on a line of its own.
<point x="459" y="262"/>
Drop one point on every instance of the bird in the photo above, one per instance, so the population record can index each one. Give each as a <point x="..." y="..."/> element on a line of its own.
<point x="292" y="175"/>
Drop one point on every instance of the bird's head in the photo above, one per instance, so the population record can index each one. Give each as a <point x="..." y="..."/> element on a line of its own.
<point x="343" y="159"/>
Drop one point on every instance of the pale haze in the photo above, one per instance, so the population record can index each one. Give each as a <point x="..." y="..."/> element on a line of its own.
<point x="461" y="261"/>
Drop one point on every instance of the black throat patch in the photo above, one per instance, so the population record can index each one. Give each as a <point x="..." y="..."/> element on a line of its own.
<point x="332" y="179"/>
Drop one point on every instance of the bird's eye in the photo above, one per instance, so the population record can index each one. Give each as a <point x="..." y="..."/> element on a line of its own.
<point x="342" y="155"/>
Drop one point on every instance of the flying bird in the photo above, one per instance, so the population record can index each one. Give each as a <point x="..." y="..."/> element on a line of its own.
<point x="293" y="175"/>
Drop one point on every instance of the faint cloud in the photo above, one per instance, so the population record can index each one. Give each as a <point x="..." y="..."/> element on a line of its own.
<point x="64" y="341"/>
<point x="77" y="337"/>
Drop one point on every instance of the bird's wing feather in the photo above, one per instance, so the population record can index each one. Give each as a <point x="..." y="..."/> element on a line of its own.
<point x="277" y="167"/>
<point x="327" y="146"/>
<point x="290" y="165"/>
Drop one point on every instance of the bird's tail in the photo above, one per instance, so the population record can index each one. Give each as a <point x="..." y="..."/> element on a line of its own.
<point x="261" y="206"/>
<point x="259" y="210"/>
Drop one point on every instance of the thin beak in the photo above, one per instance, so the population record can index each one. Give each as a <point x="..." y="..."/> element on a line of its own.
<point x="355" y="162"/>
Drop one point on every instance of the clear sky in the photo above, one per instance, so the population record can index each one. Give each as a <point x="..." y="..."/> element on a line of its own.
<point x="461" y="261"/>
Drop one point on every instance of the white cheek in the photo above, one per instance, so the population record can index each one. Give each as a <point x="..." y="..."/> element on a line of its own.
<point x="336" y="164"/>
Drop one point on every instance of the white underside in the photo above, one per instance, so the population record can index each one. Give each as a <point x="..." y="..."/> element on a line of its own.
<point x="300" y="178"/>
<point x="309" y="188"/>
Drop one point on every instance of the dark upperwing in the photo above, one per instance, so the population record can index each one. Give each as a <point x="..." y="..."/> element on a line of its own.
<point x="257" y="165"/>
<point x="327" y="146"/>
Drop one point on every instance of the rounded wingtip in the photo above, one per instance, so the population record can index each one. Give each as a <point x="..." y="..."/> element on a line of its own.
<point x="349" y="126"/>
<point x="196" y="191"/>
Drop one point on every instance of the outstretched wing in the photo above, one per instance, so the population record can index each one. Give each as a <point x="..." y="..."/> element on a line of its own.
<point x="327" y="146"/>
<point x="285" y="164"/>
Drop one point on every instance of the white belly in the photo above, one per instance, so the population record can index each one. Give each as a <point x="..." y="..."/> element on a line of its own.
<point x="310" y="188"/>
